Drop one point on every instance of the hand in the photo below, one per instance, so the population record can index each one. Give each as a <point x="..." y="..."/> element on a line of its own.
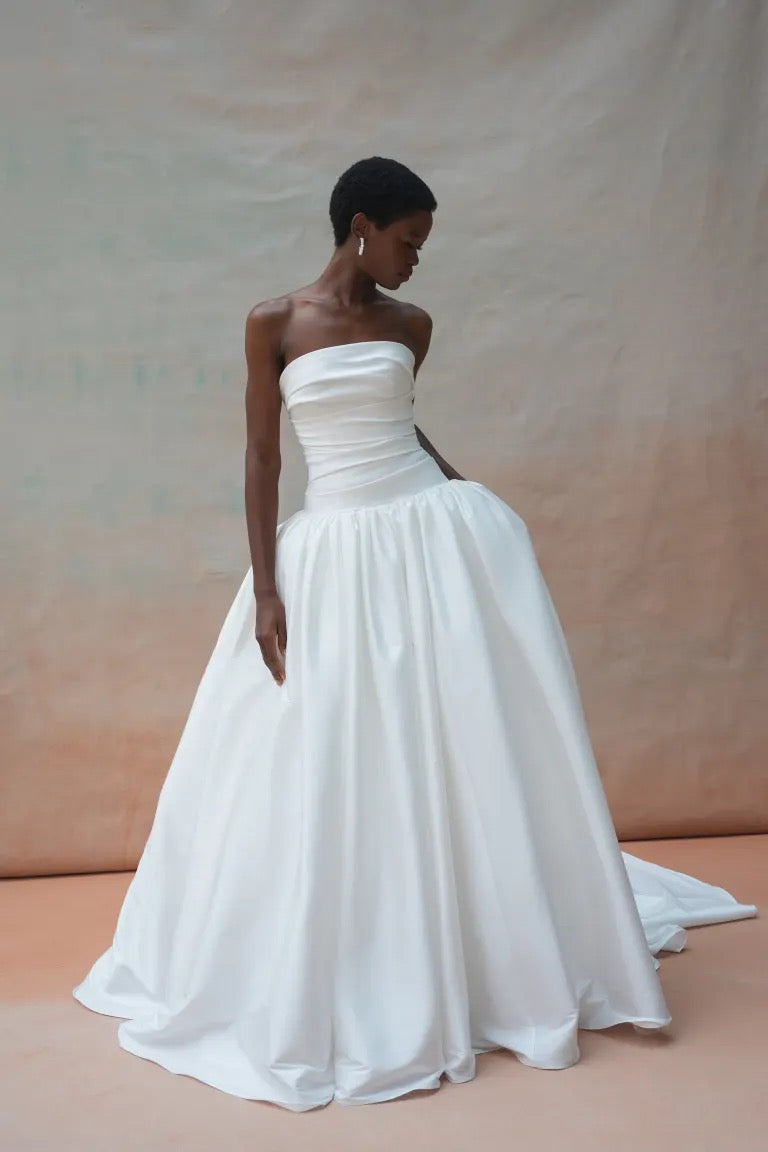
<point x="271" y="634"/>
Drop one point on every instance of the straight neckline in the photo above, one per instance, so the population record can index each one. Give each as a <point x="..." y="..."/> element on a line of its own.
<point x="347" y="344"/>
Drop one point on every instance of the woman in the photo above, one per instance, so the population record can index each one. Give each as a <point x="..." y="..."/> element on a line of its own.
<point x="382" y="845"/>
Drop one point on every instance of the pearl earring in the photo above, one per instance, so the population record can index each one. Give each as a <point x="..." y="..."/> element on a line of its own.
<point x="362" y="245"/>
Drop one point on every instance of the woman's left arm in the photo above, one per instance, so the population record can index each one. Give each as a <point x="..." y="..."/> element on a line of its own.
<point x="422" y="334"/>
<point x="444" y="467"/>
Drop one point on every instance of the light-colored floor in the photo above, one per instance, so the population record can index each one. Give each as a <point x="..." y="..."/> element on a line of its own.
<point x="66" y="1086"/>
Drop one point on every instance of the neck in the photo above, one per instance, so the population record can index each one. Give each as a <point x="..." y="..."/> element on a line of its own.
<point x="345" y="282"/>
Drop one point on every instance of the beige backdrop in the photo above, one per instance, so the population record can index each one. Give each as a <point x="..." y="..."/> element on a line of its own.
<point x="598" y="279"/>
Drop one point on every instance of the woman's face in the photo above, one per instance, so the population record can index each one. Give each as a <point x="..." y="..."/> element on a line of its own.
<point x="391" y="253"/>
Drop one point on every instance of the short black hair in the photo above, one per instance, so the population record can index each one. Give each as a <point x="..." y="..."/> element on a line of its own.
<point x="384" y="190"/>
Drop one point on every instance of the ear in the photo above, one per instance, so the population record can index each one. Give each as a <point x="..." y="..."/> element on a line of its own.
<point x="358" y="225"/>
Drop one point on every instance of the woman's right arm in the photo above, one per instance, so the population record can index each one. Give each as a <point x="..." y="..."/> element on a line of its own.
<point x="262" y="471"/>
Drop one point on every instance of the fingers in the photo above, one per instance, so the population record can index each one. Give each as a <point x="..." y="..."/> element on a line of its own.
<point x="271" y="634"/>
<point x="271" y="656"/>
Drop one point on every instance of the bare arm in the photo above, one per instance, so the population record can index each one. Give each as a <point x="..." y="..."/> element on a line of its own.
<point x="422" y="334"/>
<point x="262" y="448"/>
<point x="262" y="471"/>
<point x="444" y="467"/>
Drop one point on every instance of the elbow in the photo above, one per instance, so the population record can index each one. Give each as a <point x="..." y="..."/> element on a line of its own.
<point x="261" y="459"/>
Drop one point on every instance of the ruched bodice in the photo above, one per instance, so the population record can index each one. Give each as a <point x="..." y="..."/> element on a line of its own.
<point x="352" y="408"/>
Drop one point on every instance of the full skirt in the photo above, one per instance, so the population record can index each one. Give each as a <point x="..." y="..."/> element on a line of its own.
<point x="403" y="855"/>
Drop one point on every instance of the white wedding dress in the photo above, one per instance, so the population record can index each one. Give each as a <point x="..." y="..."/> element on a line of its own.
<point x="402" y="856"/>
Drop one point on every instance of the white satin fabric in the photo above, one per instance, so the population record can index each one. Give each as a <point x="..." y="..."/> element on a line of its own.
<point x="403" y="856"/>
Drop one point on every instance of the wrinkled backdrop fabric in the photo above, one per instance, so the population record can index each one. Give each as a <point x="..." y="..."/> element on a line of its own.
<point x="596" y="276"/>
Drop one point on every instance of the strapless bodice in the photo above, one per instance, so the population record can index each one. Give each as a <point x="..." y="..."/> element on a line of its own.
<point x="351" y="406"/>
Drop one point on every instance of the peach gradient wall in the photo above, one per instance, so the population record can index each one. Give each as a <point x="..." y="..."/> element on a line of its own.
<point x="598" y="276"/>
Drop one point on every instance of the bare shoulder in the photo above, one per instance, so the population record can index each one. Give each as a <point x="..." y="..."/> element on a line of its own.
<point x="268" y="318"/>
<point x="265" y="326"/>
<point x="417" y="323"/>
